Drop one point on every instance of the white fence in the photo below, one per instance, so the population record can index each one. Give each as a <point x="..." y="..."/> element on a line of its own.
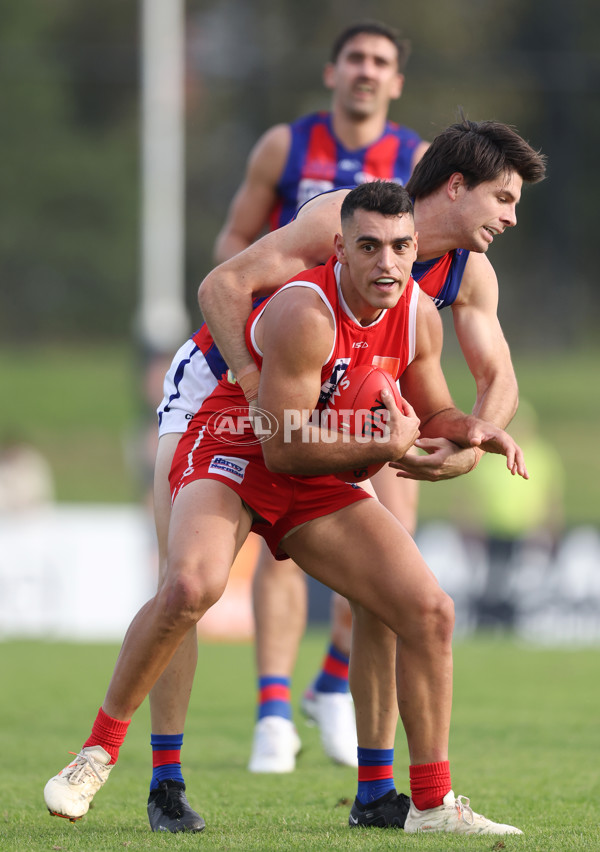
<point x="74" y="572"/>
<point x="82" y="571"/>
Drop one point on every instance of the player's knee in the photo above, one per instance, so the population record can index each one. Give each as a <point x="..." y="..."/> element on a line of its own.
<point x="441" y="617"/>
<point x="189" y="595"/>
<point x="435" y="618"/>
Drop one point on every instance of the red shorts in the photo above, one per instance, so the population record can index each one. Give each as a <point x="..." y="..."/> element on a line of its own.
<point x="279" y="502"/>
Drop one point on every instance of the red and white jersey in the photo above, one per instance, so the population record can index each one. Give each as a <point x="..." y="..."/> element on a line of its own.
<point x="211" y="449"/>
<point x="388" y="342"/>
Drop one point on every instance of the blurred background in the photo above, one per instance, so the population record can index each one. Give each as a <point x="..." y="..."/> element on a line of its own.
<point x="125" y="132"/>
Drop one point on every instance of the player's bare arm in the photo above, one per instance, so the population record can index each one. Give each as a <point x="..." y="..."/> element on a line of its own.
<point x="250" y="208"/>
<point x="475" y="316"/>
<point x="225" y="295"/>
<point x="424" y="386"/>
<point x="296" y="335"/>
<point x="423" y="383"/>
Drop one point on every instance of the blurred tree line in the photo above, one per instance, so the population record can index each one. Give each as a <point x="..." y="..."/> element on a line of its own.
<point x="69" y="146"/>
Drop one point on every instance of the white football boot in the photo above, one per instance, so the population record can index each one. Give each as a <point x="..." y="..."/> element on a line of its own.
<point x="454" y="816"/>
<point x="333" y="712"/>
<point x="70" y="792"/>
<point x="275" y="746"/>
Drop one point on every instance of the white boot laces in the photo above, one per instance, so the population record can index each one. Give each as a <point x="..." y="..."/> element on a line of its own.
<point x="465" y="812"/>
<point x="84" y="763"/>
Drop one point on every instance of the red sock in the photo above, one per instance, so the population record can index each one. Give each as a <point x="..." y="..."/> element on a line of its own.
<point x="108" y="733"/>
<point x="429" y="783"/>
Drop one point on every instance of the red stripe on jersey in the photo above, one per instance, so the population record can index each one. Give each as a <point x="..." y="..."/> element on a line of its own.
<point x="274" y="216"/>
<point x="435" y="277"/>
<point x="274" y="692"/>
<point x="320" y="162"/>
<point x="162" y="758"/>
<point x="375" y="773"/>
<point x="380" y="158"/>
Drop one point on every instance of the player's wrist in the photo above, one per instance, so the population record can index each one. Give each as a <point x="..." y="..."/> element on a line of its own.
<point x="248" y="378"/>
<point x="478" y="453"/>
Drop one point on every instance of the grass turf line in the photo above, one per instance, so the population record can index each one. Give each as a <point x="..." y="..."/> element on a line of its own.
<point x="524" y="746"/>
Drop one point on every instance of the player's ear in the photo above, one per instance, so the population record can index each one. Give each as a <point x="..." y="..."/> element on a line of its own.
<point x="329" y="75"/>
<point x="397" y="87"/>
<point x="455" y="183"/>
<point x="339" y="248"/>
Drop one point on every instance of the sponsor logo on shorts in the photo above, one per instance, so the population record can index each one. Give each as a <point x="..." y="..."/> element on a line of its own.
<point x="229" y="466"/>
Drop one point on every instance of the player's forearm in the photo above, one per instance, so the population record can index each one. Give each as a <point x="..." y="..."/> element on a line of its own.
<point x="497" y="400"/>
<point x="302" y="449"/>
<point x="322" y="459"/>
<point x="480" y="435"/>
<point x="450" y="423"/>
<point x="226" y="304"/>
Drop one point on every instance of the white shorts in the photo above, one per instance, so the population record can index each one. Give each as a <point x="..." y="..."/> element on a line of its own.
<point x="188" y="382"/>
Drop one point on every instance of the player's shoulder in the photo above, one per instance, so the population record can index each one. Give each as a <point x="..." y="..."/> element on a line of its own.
<point x="308" y="120"/>
<point x="428" y="320"/>
<point x="267" y="157"/>
<point x="426" y="306"/>
<point x="407" y="134"/>
<point x="478" y="261"/>
<point x="274" y="136"/>
<point x="300" y="310"/>
<point x="478" y="276"/>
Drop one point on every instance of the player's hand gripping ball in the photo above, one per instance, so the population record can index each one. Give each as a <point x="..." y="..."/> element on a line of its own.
<point x="358" y="409"/>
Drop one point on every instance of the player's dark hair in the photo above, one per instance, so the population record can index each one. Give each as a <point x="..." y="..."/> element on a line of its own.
<point x="378" y="196"/>
<point x="376" y="28"/>
<point x="480" y="151"/>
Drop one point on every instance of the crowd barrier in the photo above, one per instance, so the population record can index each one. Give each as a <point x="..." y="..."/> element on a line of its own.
<point x="80" y="572"/>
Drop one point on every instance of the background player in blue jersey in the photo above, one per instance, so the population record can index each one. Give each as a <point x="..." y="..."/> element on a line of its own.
<point x="352" y="143"/>
<point x="451" y="211"/>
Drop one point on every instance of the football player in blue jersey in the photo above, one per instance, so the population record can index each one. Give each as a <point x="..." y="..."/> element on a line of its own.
<point x="451" y="211"/>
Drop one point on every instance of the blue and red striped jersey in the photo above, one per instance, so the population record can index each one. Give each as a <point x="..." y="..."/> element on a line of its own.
<point x="318" y="162"/>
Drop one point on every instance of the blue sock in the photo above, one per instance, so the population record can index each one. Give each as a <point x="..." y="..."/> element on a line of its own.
<point x="274" y="697"/>
<point x="375" y="773"/>
<point x="166" y="758"/>
<point x="334" y="672"/>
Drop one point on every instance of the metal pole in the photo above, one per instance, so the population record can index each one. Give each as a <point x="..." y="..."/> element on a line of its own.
<point x="163" y="321"/>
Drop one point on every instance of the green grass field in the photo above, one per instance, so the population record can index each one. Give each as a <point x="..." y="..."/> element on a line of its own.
<point x="524" y="746"/>
<point x="81" y="407"/>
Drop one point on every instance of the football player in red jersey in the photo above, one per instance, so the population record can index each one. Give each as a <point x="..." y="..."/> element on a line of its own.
<point x="353" y="142"/>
